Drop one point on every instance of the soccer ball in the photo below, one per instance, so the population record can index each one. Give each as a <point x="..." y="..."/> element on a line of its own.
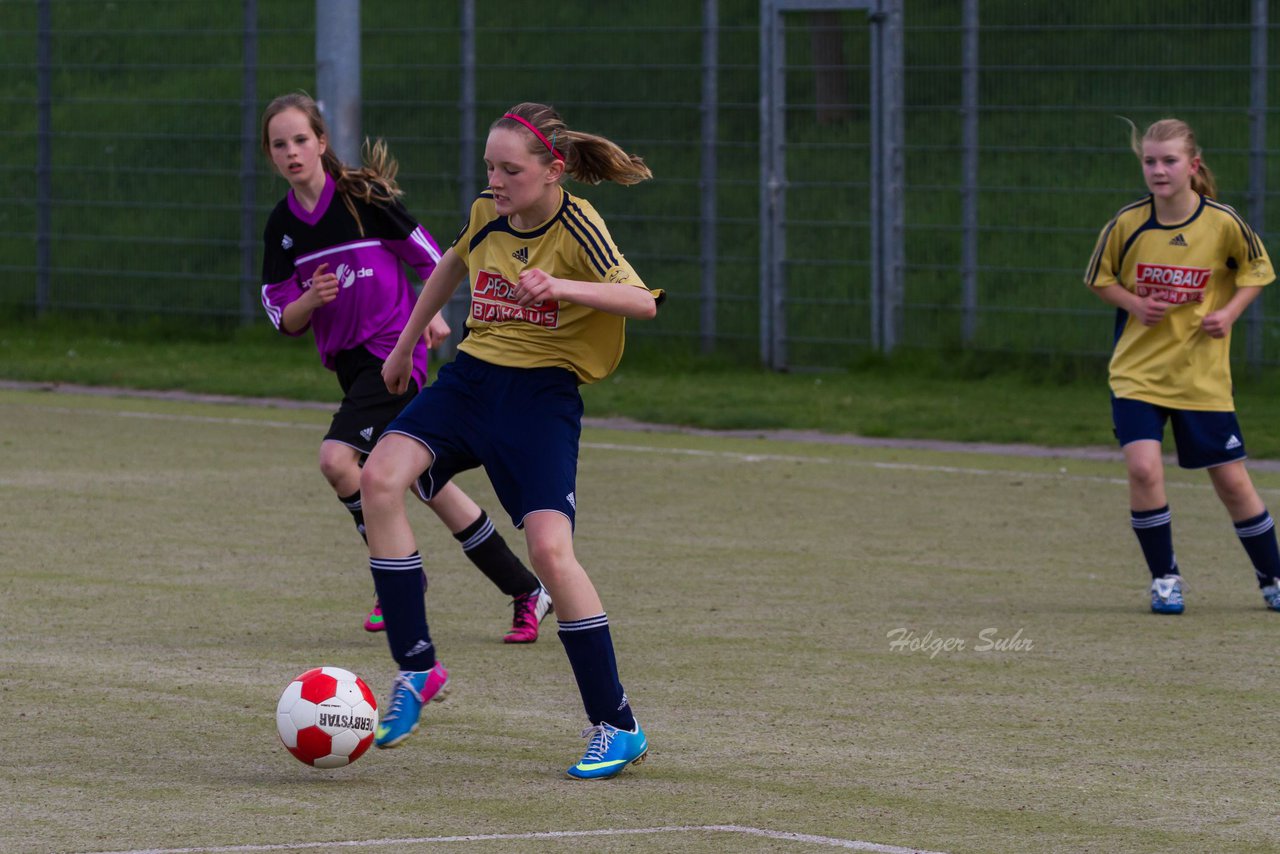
<point x="326" y="717"/>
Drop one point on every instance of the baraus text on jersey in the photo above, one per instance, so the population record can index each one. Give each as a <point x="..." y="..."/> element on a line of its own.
<point x="493" y="300"/>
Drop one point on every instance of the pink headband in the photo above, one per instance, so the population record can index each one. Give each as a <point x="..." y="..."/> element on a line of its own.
<point x="557" y="155"/>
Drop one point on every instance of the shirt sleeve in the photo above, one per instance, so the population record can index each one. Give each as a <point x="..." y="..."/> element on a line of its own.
<point x="600" y="255"/>
<point x="1253" y="265"/>
<point x="280" y="283"/>
<point x="404" y="237"/>
<point x="1104" y="264"/>
<point x="461" y="245"/>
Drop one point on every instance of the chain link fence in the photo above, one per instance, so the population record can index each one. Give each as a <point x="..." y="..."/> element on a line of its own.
<point x="131" y="183"/>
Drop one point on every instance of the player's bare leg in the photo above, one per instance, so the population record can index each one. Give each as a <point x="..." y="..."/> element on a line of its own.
<point x="398" y="576"/>
<point x="616" y="739"/>
<point x="1253" y="524"/>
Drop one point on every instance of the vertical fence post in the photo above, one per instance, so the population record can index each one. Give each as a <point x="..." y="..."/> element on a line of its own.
<point x="768" y="189"/>
<point x="969" y="170"/>
<point x="1255" y="328"/>
<point x="248" y="163"/>
<point x="773" y="327"/>
<point x="708" y="181"/>
<point x="888" y="57"/>
<point x="455" y="310"/>
<point x="338" y="74"/>
<point x="44" y="152"/>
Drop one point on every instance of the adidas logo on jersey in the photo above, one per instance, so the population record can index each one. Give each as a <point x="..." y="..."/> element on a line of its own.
<point x="1233" y="442"/>
<point x="1178" y="241"/>
<point x="366" y="433"/>
<point x="521" y="255"/>
<point x="286" y="242"/>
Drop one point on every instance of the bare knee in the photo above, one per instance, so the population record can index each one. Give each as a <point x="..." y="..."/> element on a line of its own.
<point x="340" y="466"/>
<point x="381" y="482"/>
<point x="1146" y="474"/>
<point x="1236" y="491"/>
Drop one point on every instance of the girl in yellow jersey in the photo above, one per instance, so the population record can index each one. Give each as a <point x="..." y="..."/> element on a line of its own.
<point x="550" y="295"/>
<point x="1181" y="268"/>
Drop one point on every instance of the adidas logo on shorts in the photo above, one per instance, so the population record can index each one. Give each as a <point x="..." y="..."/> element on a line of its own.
<point x="1233" y="442"/>
<point x="521" y="255"/>
<point x="366" y="433"/>
<point x="1178" y="241"/>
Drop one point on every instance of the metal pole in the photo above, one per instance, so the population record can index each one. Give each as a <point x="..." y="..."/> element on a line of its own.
<point x="44" y="152"/>
<point x="456" y="309"/>
<point x="889" y="27"/>
<point x="710" y="115"/>
<point x="248" y="163"/>
<point x="767" y="187"/>
<point x="876" y="289"/>
<point x="338" y="74"/>
<point x="1255" y="321"/>
<point x="467" y="106"/>
<point x="969" y="171"/>
<point x="778" y="240"/>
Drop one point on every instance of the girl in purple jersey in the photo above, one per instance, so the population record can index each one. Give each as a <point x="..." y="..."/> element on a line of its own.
<point x="333" y="262"/>
<point x="510" y="403"/>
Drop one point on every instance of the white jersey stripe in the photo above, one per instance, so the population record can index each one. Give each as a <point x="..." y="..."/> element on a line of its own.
<point x="345" y="247"/>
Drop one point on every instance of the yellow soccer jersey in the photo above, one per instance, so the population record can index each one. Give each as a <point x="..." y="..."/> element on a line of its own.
<point x="574" y="244"/>
<point x="1195" y="265"/>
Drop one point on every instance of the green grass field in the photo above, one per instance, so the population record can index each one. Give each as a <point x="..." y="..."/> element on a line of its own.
<point x="168" y="567"/>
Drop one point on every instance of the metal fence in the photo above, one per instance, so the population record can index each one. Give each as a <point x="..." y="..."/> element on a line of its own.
<point x="833" y="176"/>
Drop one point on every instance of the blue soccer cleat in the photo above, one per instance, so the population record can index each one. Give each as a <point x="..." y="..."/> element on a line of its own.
<point x="1271" y="593"/>
<point x="1166" y="595"/>
<point x="610" y="750"/>
<point x="409" y="693"/>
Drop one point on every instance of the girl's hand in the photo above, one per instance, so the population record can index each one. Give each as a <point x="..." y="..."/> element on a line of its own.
<point x="1218" y="323"/>
<point x="324" y="285"/>
<point x="1150" y="310"/>
<point x="437" y="332"/>
<point x="397" y="369"/>
<point x="536" y="286"/>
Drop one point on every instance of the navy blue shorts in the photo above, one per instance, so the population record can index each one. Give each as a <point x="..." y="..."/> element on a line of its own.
<point x="522" y="424"/>
<point x="1203" y="439"/>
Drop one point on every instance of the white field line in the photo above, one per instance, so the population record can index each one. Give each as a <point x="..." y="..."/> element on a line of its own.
<point x="738" y="456"/>
<point x="824" y="841"/>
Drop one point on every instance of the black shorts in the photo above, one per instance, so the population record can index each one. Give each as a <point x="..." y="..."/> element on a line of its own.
<point x="367" y="407"/>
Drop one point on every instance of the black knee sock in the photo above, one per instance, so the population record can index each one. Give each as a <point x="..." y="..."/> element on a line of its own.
<point x="352" y="503"/>
<point x="484" y="546"/>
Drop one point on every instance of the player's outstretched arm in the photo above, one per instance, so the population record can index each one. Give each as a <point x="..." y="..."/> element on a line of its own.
<point x="444" y="280"/>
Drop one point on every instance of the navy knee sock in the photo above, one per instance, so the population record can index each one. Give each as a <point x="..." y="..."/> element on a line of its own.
<point x="401" y="584"/>
<point x="590" y="650"/>
<point x="1258" y="536"/>
<point x="1154" y="529"/>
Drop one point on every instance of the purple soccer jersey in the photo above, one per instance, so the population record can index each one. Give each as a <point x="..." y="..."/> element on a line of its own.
<point x="374" y="298"/>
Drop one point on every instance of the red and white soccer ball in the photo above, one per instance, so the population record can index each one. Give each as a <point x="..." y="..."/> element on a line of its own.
<point x="326" y="717"/>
